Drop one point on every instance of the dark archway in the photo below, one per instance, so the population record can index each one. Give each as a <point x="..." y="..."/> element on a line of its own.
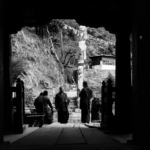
<point x="18" y="14"/>
<point x="108" y="13"/>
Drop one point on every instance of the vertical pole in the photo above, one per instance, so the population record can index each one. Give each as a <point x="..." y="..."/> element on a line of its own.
<point x="19" y="113"/>
<point x="82" y="45"/>
<point x="103" y="99"/>
<point x="109" y="103"/>
<point x="23" y="102"/>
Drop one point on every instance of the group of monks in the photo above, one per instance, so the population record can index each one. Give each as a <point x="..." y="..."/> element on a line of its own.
<point x="43" y="105"/>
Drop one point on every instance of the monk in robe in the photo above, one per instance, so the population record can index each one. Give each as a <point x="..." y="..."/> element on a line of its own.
<point x="48" y="108"/>
<point x="38" y="103"/>
<point x="61" y="105"/>
<point x="85" y="97"/>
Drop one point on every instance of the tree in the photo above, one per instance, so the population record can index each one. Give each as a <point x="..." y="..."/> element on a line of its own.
<point x="55" y="28"/>
<point x="66" y="46"/>
<point x="65" y="42"/>
<point x="72" y="23"/>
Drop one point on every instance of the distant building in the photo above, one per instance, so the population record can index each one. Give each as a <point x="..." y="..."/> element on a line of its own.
<point x="103" y="62"/>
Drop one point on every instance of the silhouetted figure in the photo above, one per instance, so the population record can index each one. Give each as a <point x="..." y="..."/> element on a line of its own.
<point x="48" y="108"/>
<point x="85" y="97"/>
<point x="96" y="109"/>
<point x="38" y="103"/>
<point x="61" y="105"/>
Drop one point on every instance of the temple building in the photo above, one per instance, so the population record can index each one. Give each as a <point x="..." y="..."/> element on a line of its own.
<point x="103" y="62"/>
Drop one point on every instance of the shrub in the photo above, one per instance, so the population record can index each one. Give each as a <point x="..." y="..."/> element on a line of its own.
<point x="17" y="66"/>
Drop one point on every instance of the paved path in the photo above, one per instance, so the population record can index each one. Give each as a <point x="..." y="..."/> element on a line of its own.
<point x="68" y="136"/>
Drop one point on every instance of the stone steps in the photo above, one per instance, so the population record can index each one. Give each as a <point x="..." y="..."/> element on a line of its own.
<point x="72" y="108"/>
<point x="74" y="112"/>
<point x="74" y="117"/>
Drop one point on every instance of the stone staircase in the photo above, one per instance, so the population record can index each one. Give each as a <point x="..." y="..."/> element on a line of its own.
<point x="74" y="112"/>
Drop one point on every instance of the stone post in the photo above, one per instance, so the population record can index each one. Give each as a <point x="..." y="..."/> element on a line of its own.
<point x="19" y="113"/>
<point x="23" y="99"/>
<point x="82" y="45"/>
<point x="103" y="90"/>
<point x="109" y="104"/>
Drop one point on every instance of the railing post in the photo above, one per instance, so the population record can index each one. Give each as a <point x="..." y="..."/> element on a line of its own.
<point x="109" y="103"/>
<point x="23" y="102"/>
<point x="19" y="106"/>
<point x="103" y="95"/>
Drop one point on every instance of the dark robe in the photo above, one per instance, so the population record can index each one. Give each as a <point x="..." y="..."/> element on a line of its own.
<point x="85" y="96"/>
<point x="38" y="103"/>
<point x="43" y="105"/>
<point x="61" y="104"/>
<point x="96" y="109"/>
<point x="47" y="105"/>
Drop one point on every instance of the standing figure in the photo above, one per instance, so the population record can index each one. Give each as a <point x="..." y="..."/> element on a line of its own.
<point x="48" y="108"/>
<point x="38" y="103"/>
<point x="61" y="105"/>
<point x="85" y="97"/>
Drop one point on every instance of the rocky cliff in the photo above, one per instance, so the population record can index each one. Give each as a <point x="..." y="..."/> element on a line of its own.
<point x="100" y="41"/>
<point x="36" y="63"/>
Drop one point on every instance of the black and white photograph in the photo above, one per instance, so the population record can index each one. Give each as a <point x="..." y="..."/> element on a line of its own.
<point x="74" y="75"/>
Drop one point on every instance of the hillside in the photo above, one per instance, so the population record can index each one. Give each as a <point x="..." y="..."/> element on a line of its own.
<point x="100" y="42"/>
<point x="35" y="62"/>
<point x="46" y="63"/>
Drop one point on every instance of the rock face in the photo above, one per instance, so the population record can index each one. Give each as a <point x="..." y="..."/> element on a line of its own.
<point x="35" y="62"/>
<point x="99" y="42"/>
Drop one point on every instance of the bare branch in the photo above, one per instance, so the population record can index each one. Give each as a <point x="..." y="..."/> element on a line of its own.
<point x="66" y="64"/>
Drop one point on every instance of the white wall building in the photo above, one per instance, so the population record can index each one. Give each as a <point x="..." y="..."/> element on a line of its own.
<point x="103" y="62"/>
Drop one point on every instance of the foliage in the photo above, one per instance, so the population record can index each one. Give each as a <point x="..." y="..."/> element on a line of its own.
<point x="72" y="23"/>
<point x="17" y="66"/>
<point x="110" y="77"/>
<point x="66" y="45"/>
<point x="55" y="26"/>
<point x="65" y="41"/>
<point x="68" y="76"/>
<point x="33" y="62"/>
<point x="96" y="44"/>
<point x="101" y="33"/>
